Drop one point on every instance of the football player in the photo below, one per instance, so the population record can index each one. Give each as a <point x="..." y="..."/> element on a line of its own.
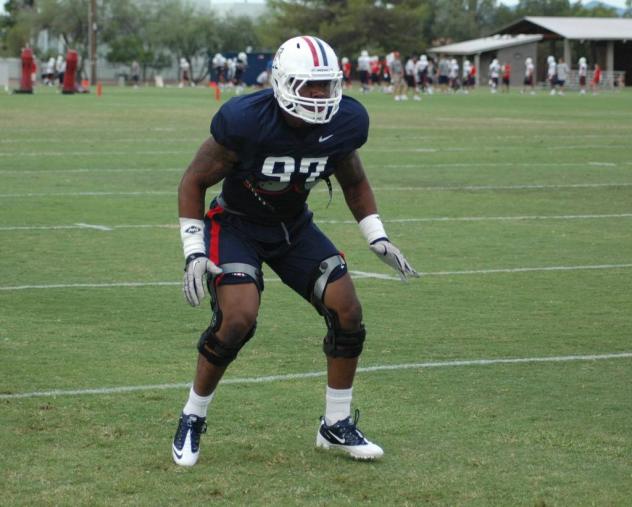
<point x="529" y="76"/>
<point x="583" y="73"/>
<point x="269" y="149"/>
<point x="494" y="75"/>
<point x="551" y="73"/>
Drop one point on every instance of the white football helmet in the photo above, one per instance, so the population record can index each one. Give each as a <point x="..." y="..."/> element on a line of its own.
<point x="298" y="61"/>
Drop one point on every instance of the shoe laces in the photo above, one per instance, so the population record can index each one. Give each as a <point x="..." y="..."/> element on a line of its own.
<point x="347" y="429"/>
<point x="197" y="426"/>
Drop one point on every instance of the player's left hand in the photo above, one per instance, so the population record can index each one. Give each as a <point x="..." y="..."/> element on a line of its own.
<point x="390" y="254"/>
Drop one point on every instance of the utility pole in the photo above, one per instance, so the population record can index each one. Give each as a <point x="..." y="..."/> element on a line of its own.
<point x="92" y="22"/>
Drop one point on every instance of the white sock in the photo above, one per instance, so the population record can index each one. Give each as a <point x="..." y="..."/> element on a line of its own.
<point x="338" y="405"/>
<point x="196" y="404"/>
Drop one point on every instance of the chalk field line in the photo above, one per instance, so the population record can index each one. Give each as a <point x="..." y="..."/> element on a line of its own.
<point x="107" y="228"/>
<point x="188" y="140"/>
<point x="314" y="374"/>
<point x="420" y="149"/>
<point x="355" y="274"/>
<point x="457" y="165"/>
<point x="448" y="188"/>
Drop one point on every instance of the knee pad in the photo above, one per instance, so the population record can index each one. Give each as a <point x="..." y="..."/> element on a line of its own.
<point x="217" y="352"/>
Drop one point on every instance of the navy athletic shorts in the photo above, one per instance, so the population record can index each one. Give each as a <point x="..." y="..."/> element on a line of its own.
<point x="293" y="249"/>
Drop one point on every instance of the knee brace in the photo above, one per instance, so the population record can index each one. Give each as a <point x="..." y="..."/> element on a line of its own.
<point x="337" y="343"/>
<point x="209" y="345"/>
<point x="234" y="270"/>
<point x="217" y="352"/>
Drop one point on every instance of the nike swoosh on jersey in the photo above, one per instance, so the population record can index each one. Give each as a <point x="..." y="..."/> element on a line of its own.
<point x="322" y="139"/>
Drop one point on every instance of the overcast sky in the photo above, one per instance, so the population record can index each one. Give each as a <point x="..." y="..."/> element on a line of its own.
<point x="614" y="3"/>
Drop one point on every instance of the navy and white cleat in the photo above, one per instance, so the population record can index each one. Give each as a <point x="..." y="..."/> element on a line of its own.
<point x="345" y="436"/>
<point x="186" y="443"/>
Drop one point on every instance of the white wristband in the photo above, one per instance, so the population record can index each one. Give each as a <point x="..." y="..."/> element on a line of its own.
<point x="192" y="235"/>
<point x="372" y="228"/>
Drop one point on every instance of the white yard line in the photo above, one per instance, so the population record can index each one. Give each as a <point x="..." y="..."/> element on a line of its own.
<point x="93" y="226"/>
<point x="89" y="194"/>
<point x="499" y="164"/>
<point x="354" y="274"/>
<point x="93" y="171"/>
<point x="429" y="149"/>
<point x="369" y="166"/>
<point x="112" y="153"/>
<point x="419" y="149"/>
<point x="8" y="228"/>
<point x="551" y="137"/>
<point x="314" y="374"/>
<point x="449" y="188"/>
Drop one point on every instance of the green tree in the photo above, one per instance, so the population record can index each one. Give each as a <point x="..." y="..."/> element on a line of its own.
<point x="16" y="26"/>
<point x="349" y="25"/>
<point x="130" y="34"/>
<point x="186" y="32"/>
<point x="544" y="8"/>
<point x="235" y="34"/>
<point x="456" y="20"/>
<point x="68" y="20"/>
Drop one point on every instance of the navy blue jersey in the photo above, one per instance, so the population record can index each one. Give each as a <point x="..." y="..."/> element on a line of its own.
<point x="278" y="162"/>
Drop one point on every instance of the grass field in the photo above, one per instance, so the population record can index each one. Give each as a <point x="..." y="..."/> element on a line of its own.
<point x="502" y="377"/>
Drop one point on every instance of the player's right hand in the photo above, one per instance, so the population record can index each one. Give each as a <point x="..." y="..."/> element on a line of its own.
<point x="196" y="271"/>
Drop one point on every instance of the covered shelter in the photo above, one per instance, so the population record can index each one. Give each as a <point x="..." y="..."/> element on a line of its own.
<point x="603" y="41"/>
<point x="606" y="41"/>
<point x="507" y="48"/>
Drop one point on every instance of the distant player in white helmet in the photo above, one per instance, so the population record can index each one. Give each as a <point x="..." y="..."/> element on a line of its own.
<point x="453" y="75"/>
<point x="561" y="73"/>
<point x="364" y="70"/>
<point x="467" y="76"/>
<point x="551" y="73"/>
<point x="185" y="73"/>
<point x="582" y="72"/>
<point x="219" y="69"/>
<point x="421" y="68"/>
<point x="494" y="75"/>
<point x="529" y="76"/>
<point x="241" y="64"/>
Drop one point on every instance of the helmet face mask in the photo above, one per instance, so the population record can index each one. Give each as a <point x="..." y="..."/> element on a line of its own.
<point x="300" y="64"/>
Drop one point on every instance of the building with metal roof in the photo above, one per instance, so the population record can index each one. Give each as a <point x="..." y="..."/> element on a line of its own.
<point x="571" y="28"/>
<point x="606" y="41"/>
<point x="485" y="44"/>
<point x="507" y="48"/>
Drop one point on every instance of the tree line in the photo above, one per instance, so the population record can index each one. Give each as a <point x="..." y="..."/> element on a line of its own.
<point x="157" y="32"/>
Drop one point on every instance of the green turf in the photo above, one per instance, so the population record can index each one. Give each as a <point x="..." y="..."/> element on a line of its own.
<point x="517" y="209"/>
